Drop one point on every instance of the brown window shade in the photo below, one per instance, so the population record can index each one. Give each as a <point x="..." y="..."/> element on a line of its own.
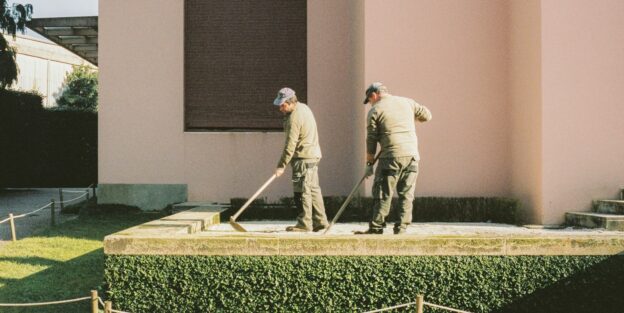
<point x="237" y="55"/>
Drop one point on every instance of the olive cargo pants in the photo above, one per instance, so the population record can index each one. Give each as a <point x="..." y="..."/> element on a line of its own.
<point x="400" y="173"/>
<point x="308" y="197"/>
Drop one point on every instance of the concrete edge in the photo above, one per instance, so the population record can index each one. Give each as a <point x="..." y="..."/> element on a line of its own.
<point x="409" y="245"/>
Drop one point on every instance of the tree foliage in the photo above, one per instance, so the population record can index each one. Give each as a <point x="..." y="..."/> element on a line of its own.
<point x="12" y="20"/>
<point x="80" y="90"/>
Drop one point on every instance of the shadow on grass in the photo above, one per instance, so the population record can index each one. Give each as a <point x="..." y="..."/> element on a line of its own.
<point x="36" y="261"/>
<point x="73" y="278"/>
<point x="598" y="289"/>
<point x="67" y="280"/>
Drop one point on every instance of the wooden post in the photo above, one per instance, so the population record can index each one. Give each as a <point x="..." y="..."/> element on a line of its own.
<point x="12" y="222"/>
<point x="108" y="307"/>
<point x="419" y="303"/>
<point x="87" y="194"/>
<point x="61" y="198"/>
<point x="94" y="301"/>
<point x="93" y="189"/>
<point x="52" y="220"/>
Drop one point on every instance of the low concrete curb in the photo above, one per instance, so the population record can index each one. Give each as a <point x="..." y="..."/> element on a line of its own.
<point x="186" y="233"/>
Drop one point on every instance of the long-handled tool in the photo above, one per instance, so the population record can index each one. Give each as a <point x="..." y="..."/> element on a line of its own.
<point x="237" y="226"/>
<point x="344" y="205"/>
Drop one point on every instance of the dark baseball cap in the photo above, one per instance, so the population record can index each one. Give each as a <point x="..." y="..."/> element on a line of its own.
<point x="283" y="95"/>
<point x="374" y="87"/>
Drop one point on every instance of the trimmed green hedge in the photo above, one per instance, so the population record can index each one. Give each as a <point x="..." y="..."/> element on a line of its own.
<point x="355" y="284"/>
<point x="426" y="209"/>
<point x="44" y="148"/>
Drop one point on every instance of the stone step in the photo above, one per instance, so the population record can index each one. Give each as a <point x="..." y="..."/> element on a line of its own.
<point x="194" y="204"/>
<point x="198" y="218"/>
<point x="595" y="220"/>
<point x="608" y="206"/>
<point x="189" y="221"/>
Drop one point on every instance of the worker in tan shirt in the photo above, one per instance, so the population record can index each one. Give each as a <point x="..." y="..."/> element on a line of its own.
<point x="303" y="152"/>
<point x="390" y="123"/>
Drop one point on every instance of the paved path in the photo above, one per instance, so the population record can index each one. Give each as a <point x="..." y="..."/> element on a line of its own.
<point x="20" y="201"/>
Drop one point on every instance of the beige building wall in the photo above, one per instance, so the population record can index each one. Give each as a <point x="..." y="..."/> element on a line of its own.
<point x="42" y="66"/>
<point x="583" y="101"/>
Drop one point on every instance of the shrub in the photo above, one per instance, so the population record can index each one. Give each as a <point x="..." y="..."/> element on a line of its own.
<point x="43" y="148"/>
<point x="354" y="284"/>
<point x="426" y="209"/>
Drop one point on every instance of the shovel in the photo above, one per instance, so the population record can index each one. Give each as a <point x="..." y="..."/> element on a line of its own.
<point x="344" y="205"/>
<point x="238" y="226"/>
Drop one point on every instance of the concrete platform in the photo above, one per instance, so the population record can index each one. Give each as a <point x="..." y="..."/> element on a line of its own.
<point x="199" y="231"/>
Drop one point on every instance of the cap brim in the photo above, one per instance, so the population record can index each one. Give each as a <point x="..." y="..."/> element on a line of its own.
<point x="278" y="101"/>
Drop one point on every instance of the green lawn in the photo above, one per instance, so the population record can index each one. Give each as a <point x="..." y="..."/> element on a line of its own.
<point x="61" y="263"/>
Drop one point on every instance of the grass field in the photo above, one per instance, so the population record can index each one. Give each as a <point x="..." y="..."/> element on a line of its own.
<point x="61" y="263"/>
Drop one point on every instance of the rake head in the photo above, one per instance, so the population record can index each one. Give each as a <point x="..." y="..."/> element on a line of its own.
<point x="237" y="226"/>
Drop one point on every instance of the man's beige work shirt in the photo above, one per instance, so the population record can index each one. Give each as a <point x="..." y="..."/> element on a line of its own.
<point x="301" y="136"/>
<point x="390" y="123"/>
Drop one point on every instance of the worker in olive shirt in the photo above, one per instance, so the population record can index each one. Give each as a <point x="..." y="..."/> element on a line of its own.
<point x="390" y="123"/>
<point x="302" y="150"/>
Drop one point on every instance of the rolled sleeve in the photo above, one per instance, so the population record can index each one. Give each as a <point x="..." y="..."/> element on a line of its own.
<point x="421" y="113"/>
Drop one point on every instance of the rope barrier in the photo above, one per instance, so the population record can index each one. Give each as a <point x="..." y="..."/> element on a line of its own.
<point x="43" y="303"/>
<point x="45" y="206"/>
<point x="35" y="211"/>
<point x="73" y="191"/>
<point x="392" y="307"/>
<point x="414" y="303"/>
<point x="444" y="307"/>
<point x="57" y="302"/>
<point x="66" y="201"/>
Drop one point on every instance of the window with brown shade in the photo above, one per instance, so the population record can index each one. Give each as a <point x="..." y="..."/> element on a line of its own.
<point x="237" y="55"/>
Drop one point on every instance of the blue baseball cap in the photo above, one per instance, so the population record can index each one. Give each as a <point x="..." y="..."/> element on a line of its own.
<point x="283" y="95"/>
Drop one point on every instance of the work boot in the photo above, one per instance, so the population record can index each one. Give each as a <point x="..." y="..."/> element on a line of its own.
<point x="297" y="229"/>
<point x="371" y="231"/>
<point x="399" y="230"/>
<point x="319" y="228"/>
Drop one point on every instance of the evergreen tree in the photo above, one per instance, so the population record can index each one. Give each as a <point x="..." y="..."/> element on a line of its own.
<point x="12" y="20"/>
<point x="80" y="90"/>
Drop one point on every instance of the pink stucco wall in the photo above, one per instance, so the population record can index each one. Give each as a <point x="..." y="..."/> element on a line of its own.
<point x="583" y="101"/>
<point x="526" y="99"/>
<point x="141" y="138"/>
<point x="452" y="57"/>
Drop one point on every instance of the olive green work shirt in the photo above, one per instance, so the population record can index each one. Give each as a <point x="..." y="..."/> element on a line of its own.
<point x="390" y="123"/>
<point x="302" y="140"/>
